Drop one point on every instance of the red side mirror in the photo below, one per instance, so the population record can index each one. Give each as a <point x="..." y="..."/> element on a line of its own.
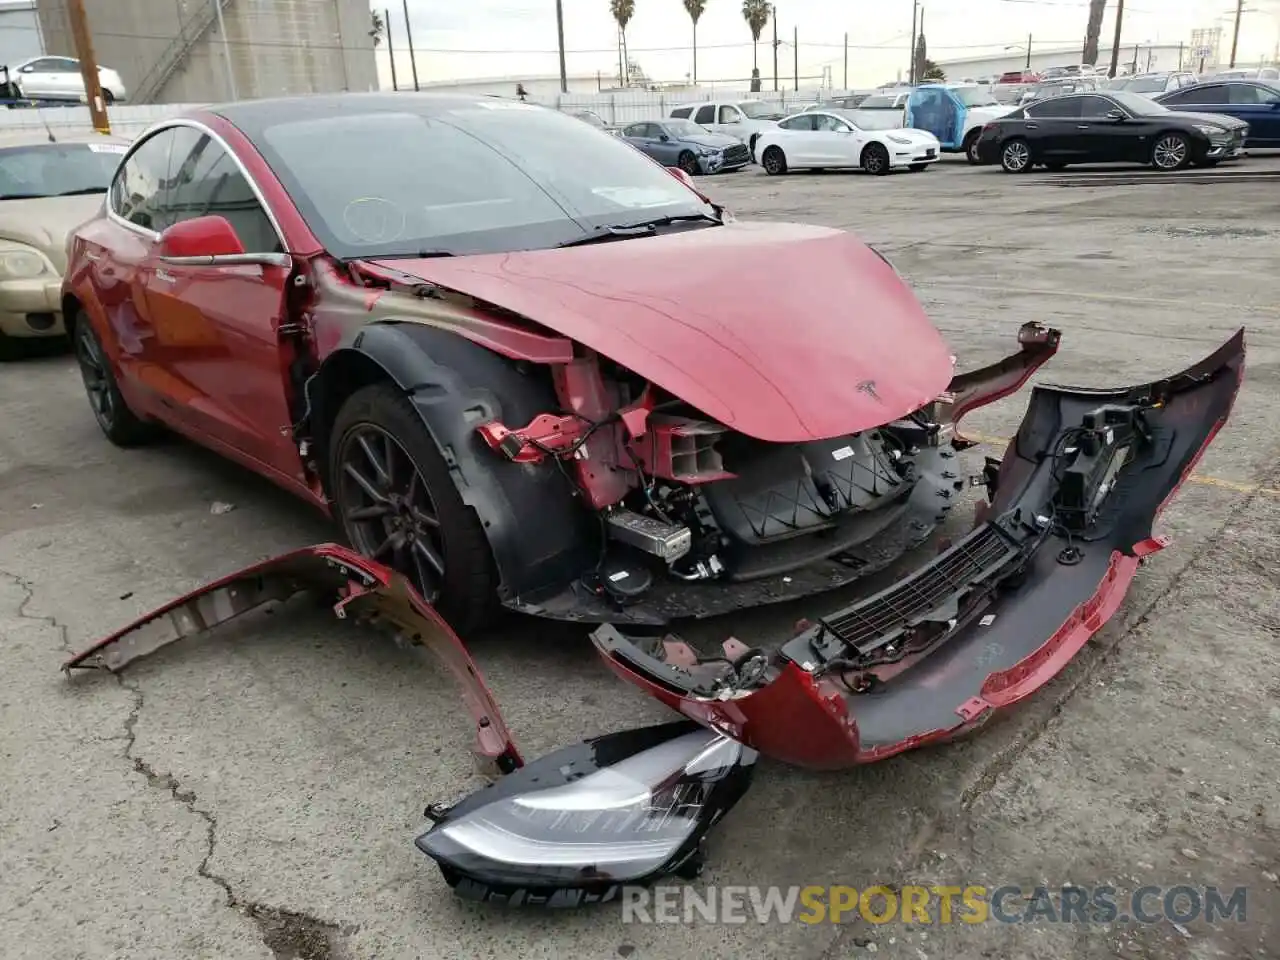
<point x="201" y="237"/>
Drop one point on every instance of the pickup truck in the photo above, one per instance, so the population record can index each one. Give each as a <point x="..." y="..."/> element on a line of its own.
<point x="744" y="120"/>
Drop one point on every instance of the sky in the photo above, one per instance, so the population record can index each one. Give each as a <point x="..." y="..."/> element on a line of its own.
<point x="505" y="38"/>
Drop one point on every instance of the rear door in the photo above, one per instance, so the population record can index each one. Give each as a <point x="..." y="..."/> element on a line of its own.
<point x="217" y="326"/>
<point x="1258" y="105"/>
<point x="797" y="141"/>
<point x="1053" y="130"/>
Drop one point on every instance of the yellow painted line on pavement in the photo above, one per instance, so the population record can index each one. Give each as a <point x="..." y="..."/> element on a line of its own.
<point x="1218" y="482"/>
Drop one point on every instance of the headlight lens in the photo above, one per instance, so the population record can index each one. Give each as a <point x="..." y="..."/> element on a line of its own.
<point x="708" y="151"/>
<point x="902" y="140"/>
<point x="618" y="809"/>
<point x="23" y="263"/>
<point x="1209" y="130"/>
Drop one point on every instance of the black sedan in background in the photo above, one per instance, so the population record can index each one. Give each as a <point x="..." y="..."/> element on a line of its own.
<point x="1108" y="127"/>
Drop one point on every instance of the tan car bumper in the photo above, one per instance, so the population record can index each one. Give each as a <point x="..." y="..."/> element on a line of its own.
<point x="31" y="308"/>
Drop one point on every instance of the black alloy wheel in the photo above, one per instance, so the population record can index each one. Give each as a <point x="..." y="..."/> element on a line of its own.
<point x="121" y="426"/>
<point x="875" y="160"/>
<point x="689" y="164"/>
<point x="388" y="509"/>
<point x="971" y="149"/>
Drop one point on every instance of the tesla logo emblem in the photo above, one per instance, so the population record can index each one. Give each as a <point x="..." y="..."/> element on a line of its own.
<point x="869" y="388"/>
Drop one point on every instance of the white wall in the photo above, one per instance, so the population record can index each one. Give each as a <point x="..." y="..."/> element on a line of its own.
<point x="19" y="32"/>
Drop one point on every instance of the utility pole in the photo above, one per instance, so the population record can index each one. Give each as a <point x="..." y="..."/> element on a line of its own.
<point x="1028" y="67"/>
<point x="915" y="13"/>
<point x="795" y="53"/>
<point x="564" y="77"/>
<point x="408" y="34"/>
<point x="226" y="51"/>
<point x="776" y="42"/>
<point x="1115" y="44"/>
<point x="391" y="49"/>
<point x="88" y="65"/>
<point x="1235" y="34"/>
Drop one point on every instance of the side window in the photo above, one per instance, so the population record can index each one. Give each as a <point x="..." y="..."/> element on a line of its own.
<point x="1247" y="94"/>
<point x="1095" y="108"/>
<point x="1204" y="93"/>
<point x="1056" y="108"/>
<point x="802" y="122"/>
<point x="1268" y="94"/>
<point x="827" y="123"/>
<point x="137" y="193"/>
<point x="706" y="114"/>
<point x="210" y="183"/>
<point x="635" y="130"/>
<point x="729" y="114"/>
<point x="682" y="112"/>
<point x="64" y="65"/>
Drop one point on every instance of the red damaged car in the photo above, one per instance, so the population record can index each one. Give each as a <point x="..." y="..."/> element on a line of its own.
<point x="523" y="365"/>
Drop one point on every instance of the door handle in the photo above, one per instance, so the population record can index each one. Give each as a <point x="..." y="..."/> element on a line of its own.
<point x="1033" y="126"/>
<point x="164" y="276"/>
<point x="1082" y="126"/>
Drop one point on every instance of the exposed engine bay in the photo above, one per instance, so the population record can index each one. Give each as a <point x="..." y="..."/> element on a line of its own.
<point x="684" y="503"/>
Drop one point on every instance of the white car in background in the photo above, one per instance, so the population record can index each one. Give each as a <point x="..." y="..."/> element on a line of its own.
<point x="59" y="78"/>
<point x="835" y="139"/>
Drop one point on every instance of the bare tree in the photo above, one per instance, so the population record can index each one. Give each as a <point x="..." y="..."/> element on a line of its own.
<point x="623" y="11"/>
<point x="756" y="13"/>
<point x="695" y="9"/>
<point x="921" y="57"/>
<point x="1094" y="29"/>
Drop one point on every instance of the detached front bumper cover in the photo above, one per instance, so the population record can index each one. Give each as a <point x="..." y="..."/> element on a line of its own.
<point x="991" y="619"/>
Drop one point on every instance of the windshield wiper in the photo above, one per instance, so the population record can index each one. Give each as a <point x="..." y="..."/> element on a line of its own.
<point x="82" y="191"/>
<point x="417" y="255"/>
<point x="618" y="231"/>
<point x="23" y="196"/>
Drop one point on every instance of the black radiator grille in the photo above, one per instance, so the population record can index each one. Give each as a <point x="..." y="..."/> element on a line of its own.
<point x="975" y="558"/>
<point x="738" y="153"/>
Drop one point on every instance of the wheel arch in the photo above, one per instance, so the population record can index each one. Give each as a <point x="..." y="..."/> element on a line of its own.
<point x="540" y="535"/>
<point x="71" y="308"/>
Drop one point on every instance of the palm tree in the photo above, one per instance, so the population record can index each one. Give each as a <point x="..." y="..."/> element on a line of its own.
<point x="695" y="9"/>
<point x="756" y="13"/>
<point x="623" y="11"/>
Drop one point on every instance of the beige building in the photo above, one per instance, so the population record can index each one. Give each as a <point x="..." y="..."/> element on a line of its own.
<point x="176" y="51"/>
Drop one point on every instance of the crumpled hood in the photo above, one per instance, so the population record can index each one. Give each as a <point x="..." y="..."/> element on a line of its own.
<point x="45" y="222"/>
<point x="718" y="140"/>
<point x="784" y="332"/>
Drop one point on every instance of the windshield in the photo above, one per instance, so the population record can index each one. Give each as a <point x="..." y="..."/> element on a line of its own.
<point x="1137" y="104"/>
<point x="872" y="119"/>
<point x="1146" y="85"/>
<point x="759" y="110"/>
<point x="975" y="97"/>
<point x="57" y="169"/>
<point x="685" y="128"/>
<point x="481" y="178"/>
<point x="878" y="102"/>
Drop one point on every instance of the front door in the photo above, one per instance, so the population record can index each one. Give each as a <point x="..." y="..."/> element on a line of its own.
<point x="216" y="326"/>
<point x="1259" y="106"/>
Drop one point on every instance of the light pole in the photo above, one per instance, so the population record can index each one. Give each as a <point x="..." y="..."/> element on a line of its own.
<point x="915" y="15"/>
<point x="564" y="77"/>
<point x="1019" y="46"/>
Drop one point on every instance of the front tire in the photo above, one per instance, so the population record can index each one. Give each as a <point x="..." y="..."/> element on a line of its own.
<point x="1171" y="151"/>
<point x="1015" y="156"/>
<point x="774" y="161"/>
<point x="875" y="160"/>
<point x="118" y="423"/>
<point x="397" y="504"/>
<point x="689" y="164"/>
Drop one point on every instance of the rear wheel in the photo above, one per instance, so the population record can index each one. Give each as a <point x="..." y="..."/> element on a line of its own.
<point x="875" y="160"/>
<point x="971" y="148"/>
<point x="1172" y="151"/>
<point x="120" y="424"/>
<point x="689" y="164"/>
<point x="398" y="505"/>
<point x="774" y="161"/>
<point x="108" y="97"/>
<point x="1015" y="156"/>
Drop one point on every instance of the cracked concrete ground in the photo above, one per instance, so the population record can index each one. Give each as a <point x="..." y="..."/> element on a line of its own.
<point x="256" y="795"/>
